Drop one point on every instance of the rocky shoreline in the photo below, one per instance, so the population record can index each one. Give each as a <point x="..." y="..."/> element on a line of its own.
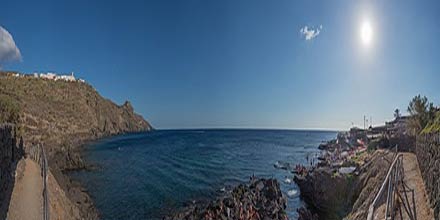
<point x="259" y="199"/>
<point x="348" y="175"/>
<point x="72" y="160"/>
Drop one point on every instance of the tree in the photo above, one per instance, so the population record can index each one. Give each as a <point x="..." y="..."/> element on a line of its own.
<point x="422" y="112"/>
<point x="397" y="113"/>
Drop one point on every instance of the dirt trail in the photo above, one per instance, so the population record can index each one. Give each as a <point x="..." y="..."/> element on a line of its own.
<point x="413" y="178"/>
<point x="26" y="201"/>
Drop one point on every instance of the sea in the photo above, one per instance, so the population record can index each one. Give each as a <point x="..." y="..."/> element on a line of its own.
<point x="149" y="175"/>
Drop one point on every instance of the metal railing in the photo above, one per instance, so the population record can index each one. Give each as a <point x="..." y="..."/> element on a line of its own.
<point x="396" y="192"/>
<point x="38" y="154"/>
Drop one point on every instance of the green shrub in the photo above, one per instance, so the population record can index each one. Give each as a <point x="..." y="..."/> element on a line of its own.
<point x="9" y="110"/>
<point x="373" y="145"/>
<point x="433" y="126"/>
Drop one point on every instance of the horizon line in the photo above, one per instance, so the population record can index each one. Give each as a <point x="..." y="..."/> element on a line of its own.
<point x="252" y="128"/>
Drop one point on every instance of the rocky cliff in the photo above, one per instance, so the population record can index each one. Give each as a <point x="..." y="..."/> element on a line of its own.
<point x="341" y="196"/>
<point x="328" y="195"/>
<point x="368" y="182"/>
<point x="62" y="116"/>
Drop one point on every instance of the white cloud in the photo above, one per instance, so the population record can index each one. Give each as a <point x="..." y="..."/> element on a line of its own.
<point x="8" y="50"/>
<point x="310" y="33"/>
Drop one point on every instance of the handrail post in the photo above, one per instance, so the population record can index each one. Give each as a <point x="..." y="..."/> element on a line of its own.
<point x="45" y="191"/>
<point x="38" y="155"/>
<point x="389" y="184"/>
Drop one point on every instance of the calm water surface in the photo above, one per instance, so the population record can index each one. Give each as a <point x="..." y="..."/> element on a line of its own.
<point x="145" y="176"/>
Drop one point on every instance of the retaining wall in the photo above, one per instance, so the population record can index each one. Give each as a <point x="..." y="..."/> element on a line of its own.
<point x="11" y="150"/>
<point x="428" y="156"/>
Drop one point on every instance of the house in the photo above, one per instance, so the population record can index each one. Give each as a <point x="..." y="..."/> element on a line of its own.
<point x="69" y="78"/>
<point x="356" y="134"/>
<point x="377" y="132"/>
<point x="53" y="76"/>
<point x="48" y="76"/>
<point x="398" y="125"/>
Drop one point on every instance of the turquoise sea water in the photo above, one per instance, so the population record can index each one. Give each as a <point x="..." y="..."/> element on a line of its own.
<point x="147" y="175"/>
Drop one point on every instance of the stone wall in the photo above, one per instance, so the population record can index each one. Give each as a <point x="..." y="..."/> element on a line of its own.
<point x="428" y="156"/>
<point x="11" y="150"/>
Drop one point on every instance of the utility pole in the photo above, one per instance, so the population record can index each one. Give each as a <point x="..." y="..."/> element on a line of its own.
<point x="364" y="122"/>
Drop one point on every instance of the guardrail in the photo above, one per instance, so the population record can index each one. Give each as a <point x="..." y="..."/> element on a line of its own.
<point x="38" y="154"/>
<point x="395" y="189"/>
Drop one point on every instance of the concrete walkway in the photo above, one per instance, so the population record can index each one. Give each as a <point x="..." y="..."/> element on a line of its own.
<point x="26" y="200"/>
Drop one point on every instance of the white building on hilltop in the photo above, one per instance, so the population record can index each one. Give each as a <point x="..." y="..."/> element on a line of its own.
<point x="48" y="75"/>
<point x="69" y="78"/>
<point x="54" y="76"/>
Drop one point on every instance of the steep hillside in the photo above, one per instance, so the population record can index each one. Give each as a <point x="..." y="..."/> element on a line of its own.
<point x="61" y="113"/>
<point x="62" y="116"/>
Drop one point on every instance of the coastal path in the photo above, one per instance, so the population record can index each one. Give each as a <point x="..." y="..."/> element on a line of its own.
<point x="413" y="178"/>
<point x="29" y="198"/>
<point x="26" y="200"/>
<point x="415" y="195"/>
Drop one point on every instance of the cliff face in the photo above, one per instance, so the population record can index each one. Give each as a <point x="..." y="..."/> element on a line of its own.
<point x="63" y="114"/>
<point x="344" y="196"/>
<point x="372" y="174"/>
<point x="328" y="195"/>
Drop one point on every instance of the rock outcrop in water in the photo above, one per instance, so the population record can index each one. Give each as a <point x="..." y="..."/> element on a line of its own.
<point x="260" y="199"/>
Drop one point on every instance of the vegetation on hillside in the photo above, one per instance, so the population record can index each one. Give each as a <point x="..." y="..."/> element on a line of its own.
<point x="9" y="110"/>
<point x="433" y="125"/>
<point x="59" y="113"/>
<point x="425" y="117"/>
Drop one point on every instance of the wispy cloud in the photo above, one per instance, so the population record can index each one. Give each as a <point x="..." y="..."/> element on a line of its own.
<point x="8" y="50"/>
<point x="309" y="32"/>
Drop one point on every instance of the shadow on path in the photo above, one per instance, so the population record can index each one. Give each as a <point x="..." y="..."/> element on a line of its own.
<point x="10" y="155"/>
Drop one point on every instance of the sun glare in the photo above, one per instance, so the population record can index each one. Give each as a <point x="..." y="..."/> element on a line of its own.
<point x="366" y="33"/>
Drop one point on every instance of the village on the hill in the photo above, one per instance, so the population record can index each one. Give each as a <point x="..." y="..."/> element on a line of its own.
<point x="49" y="76"/>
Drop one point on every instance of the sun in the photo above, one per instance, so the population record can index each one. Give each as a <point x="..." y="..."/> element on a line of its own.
<point x="366" y="33"/>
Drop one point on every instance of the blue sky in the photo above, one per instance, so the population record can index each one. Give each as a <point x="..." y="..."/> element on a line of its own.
<point x="206" y="63"/>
